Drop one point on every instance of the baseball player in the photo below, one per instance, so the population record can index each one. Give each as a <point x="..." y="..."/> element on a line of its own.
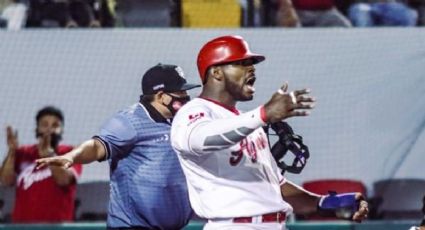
<point x="233" y="180"/>
<point x="148" y="189"/>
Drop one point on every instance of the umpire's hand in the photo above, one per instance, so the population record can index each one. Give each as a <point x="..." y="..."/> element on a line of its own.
<point x="285" y="104"/>
<point x="63" y="161"/>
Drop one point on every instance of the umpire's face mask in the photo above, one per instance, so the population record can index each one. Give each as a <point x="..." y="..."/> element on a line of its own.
<point x="176" y="103"/>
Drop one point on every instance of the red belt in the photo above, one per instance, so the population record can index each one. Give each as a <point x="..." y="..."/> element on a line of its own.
<point x="278" y="217"/>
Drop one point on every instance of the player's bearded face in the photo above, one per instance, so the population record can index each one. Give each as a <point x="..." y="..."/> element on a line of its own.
<point x="239" y="80"/>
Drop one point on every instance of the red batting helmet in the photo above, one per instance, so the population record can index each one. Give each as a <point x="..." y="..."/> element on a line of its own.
<point x="222" y="50"/>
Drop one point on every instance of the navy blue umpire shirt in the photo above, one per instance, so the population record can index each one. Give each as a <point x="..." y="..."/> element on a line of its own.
<point x="148" y="187"/>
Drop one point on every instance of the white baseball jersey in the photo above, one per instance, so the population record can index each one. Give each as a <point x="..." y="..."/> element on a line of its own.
<point x="227" y="161"/>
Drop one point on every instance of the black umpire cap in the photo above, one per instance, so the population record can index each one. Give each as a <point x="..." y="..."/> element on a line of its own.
<point x="167" y="78"/>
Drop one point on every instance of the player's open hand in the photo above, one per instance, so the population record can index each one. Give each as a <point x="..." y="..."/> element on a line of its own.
<point x="61" y="161"/>
<point x="12" y="139"/>
<point x="363" y="210"/>
<point x="284" y="104"/>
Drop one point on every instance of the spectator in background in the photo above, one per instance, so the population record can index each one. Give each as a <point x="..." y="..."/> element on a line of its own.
<point x="148" y="187"/>
<point x="45" y="194"/>
<point x="419" y="6"/>
<point x="61" y="13"/>
<point x="83" y="12"/>
<point x="276" y="13"/>
<point x="366" y="13"/>
<point x="286" y="14"/>
<point x="320" y="13"/>
<point x="105" y="12"/>
<point x="145" y="13"/>
<point x="13" y="14"/>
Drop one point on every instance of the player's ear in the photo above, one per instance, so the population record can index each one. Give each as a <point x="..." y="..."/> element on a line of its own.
<point x="216" y="72"/>
<point x="159" y="96"/>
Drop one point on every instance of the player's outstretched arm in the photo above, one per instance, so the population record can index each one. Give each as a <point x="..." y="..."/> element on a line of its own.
<point x="338" y="205"/>
<point x="205" y="134"/>
<point x="87" y="152"/>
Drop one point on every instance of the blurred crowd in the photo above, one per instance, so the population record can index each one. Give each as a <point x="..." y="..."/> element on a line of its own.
<point x="18" y="14"/>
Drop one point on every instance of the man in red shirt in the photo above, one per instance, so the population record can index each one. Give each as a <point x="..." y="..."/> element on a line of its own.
<point x="46" y="194"/>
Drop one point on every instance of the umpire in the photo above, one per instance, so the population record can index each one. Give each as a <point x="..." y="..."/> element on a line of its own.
<point x="148" y="188"/>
